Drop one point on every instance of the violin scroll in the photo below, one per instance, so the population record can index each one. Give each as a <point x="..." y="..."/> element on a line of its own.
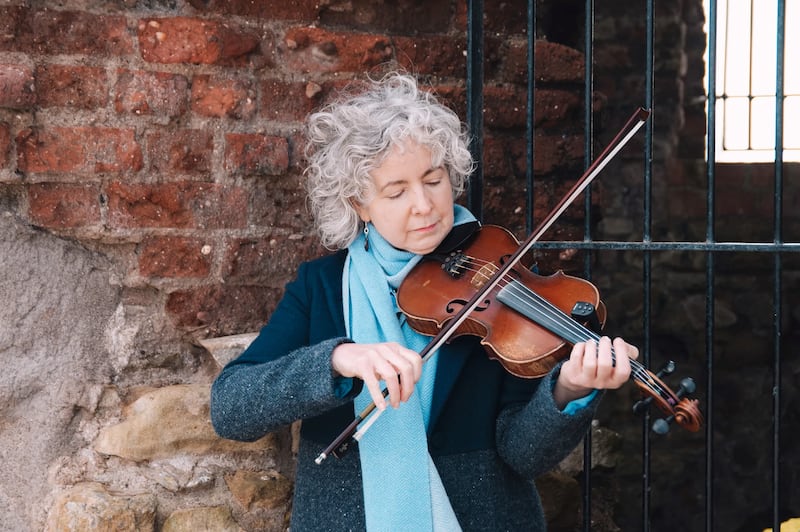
<point x="676" y="405"/>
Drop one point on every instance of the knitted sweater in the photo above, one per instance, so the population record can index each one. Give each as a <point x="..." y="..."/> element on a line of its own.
<point x="490" y="434"/>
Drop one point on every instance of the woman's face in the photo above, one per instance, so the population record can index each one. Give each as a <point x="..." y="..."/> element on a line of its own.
<point x="410" y="202"/>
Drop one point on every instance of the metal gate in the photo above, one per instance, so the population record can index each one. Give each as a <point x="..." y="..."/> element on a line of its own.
<point x="778" y="251"/>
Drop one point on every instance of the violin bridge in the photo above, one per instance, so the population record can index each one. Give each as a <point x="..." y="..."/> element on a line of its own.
<point x="483" y="275"/>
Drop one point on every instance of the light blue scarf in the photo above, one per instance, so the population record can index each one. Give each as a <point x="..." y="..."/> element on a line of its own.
<point x="402" y="489"/>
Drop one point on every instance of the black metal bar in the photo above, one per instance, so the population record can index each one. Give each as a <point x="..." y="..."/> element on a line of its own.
<point x="711" y="145"/>
<point x="766" y="247"/>
<point x="531" y="117"/>
<point x="588" y="157"/>
<point x="750" y="81"/>
<point x="647" y="257"/>
<point x="778" y="238"/>
<point x="588" y="123"/>
<point x="475" y="102"/>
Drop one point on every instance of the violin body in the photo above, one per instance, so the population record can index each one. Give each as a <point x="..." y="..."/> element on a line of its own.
<point x="526" y="321"/>
<point x="442" y="283"/>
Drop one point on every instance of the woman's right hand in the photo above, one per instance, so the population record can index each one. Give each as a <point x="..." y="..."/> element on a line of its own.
<point x="400" y="368"/>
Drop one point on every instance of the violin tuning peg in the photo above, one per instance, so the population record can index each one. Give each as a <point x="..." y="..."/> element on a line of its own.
<point x="687" y="386"/>
<point x="668" y="368"/>
<point x="661" y="426"/>
<point x="641" y="405"/>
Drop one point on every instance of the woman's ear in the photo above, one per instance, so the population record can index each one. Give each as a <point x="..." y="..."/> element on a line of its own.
<point x="360" y="210"/>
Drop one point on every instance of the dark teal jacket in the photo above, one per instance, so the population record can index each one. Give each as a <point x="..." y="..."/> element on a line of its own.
<point x="491" y="433"/>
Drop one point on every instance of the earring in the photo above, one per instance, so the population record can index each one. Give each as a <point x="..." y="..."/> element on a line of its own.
<point x="366" y="237"/>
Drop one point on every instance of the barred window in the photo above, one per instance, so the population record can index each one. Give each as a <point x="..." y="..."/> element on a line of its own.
<point x="746" y="75"/>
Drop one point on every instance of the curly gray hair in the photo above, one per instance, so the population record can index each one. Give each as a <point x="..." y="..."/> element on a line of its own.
<point x="352" y="136"/>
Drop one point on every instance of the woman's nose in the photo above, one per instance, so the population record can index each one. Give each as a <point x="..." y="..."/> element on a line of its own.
<point x="422" y="204"/>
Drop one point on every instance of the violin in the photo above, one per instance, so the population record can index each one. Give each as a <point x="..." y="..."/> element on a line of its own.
<point x="528" y="322"/>
<point x="482" y="290"/>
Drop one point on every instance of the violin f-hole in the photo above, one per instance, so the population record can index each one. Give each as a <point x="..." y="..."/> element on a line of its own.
<point x="454" y="305"/>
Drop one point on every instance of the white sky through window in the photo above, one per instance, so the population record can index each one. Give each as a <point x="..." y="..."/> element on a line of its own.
<point x="746" y="76"/>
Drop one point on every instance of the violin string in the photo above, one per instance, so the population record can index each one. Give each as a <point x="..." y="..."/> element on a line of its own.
<point x="569" y="328"/>
<point x="544" y="307"/>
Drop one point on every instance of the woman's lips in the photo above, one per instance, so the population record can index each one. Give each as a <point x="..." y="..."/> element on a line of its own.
<point x="425" y="229"/>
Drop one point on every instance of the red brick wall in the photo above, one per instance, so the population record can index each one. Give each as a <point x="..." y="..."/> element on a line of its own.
<point x="170" y="135"/>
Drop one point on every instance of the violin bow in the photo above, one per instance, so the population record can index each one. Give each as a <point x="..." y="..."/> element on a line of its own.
<point x="355" y="430"/>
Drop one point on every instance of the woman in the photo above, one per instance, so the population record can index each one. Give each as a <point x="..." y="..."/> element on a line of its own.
<point x="460" y="440"/>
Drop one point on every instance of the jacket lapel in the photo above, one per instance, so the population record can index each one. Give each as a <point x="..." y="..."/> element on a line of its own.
<point x="451" y="361"/>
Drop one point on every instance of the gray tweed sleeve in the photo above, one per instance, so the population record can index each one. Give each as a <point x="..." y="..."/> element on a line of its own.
<point x="250" y="400"/>
<point x="534" y="437"/>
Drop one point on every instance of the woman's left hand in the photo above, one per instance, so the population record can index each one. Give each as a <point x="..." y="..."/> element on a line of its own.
<point x="591" y="367"/>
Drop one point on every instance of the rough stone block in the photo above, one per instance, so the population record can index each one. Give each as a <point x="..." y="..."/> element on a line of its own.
<point x="170" y="421"/>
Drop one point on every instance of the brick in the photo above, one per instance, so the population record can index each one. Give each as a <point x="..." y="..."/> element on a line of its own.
<point x="613" y="57"/>
<point x="436" y="55"/>
<point x="688" y="204"/>
<point x="222" y="310"/>
<point x="739" y="198"/>
<point x="61" y="206"/>
<point x="501" y="18"/>
<point x="255" y="154"/>
<point x="391" y="17"/>
<point x="180" y="152"/>
<point x="455" y="97"/>
<point x="505" y="18"/>
<point x="17" y="87"/>
<point x="269" y="261"/>
<point x="280" y="204"/>
<point x="223" y="98"/>
<point x="54" y="32"/>
<point x="555" y="63"/>
<point x="250" y="260"/>
<point x="177" y="257"/>
<point x="506" y="155"/>
<point x="500" y="156"/>
<point x="556" y="151"/>
<point x="151" y="93"/>
<point x="11" y="18"/>
<point x="194" y="41"/>
<point x="71" y="86"/>
<point x="264" y="9"/>
<point x="5" y="144"/>
<point x="316" y="50"/>
<point x="556" y="108"/>
<point x="84" y="150"/>
<point x="506" y="107"/>
<point x="178" y="205"/>
<point x="289" y="102"/>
